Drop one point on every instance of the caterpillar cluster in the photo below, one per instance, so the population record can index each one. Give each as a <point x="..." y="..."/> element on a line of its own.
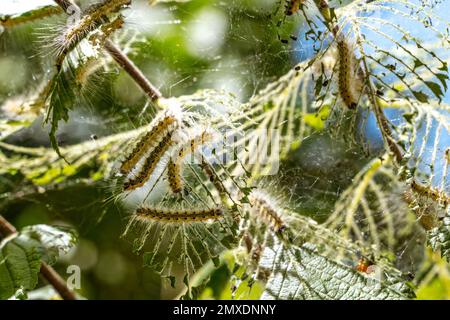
<point x="94" y="17"/>
<point x="265" y="208"/>
<point x="160" y="128"/>
<point x="150" y="163"/>
<point x="348" y="82"/>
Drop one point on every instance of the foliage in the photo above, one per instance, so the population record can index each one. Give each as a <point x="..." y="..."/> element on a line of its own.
<point x="374" y="84"/>
<point x="21" y="255"/>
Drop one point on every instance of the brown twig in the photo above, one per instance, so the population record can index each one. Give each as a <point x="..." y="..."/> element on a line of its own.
<point x="121" y="58"/>
<point x="7" y="229"/>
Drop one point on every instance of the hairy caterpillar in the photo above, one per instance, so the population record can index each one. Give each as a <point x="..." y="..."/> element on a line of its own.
<point x="179" y="216"/>
<point x="150" y="163"/>
<point x="427" y="203"/>
<point x="348" y="82"/>
<point x="149" y="141"/>
<point x="292" y="6"/>
<point x="266" y="209"/>
<point x="185" y="237"/>
<point x="434" y="194"/>
<point x="174" y="168"/>
<point x="174" y="176"/>
<point x="93" y="18"/>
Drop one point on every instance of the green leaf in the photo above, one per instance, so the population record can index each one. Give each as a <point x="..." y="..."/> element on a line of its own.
<point x="437" y="90"/>
<point x="301" y="273"/>
<point x="21" y="256"/>
<point x="439" y="238"/>
<point x="20" y="263"/>
<point x="422" y="97"/>
<point x="60" y="100"/>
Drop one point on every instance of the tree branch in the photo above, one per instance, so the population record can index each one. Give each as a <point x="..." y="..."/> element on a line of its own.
<point x="7" y="229"/>
<point x="121" y="58"/>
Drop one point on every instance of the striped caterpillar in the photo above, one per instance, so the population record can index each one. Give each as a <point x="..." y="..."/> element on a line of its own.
<point x="184" y="237"/>
<point x="263" y="206"/>
<point x="150" y="163"/>
<point x="93" y="18"/>
<point x="349" y="84"/>
<point x="174" y="168"/>
<point x="149" y="141"/>
<point x="178" y="216"/>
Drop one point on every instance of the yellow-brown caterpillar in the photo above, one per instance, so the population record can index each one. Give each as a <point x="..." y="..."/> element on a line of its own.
<point x="149" y="141"/>
<point x="174" y="168"/>
<point x="347" y="81"/>
<point x="93" y="18"/>
<point x="178" y="216"/>
<point x="174" y="176"/>
<point x="264" y="208"/>
<point x="150" y="163"/>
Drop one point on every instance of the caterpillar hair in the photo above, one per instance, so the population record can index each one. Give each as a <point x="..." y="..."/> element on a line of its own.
<point x="264" y="207"/>
<point x="160" y="129"/>
<point x="86" y="70"/>
<point x="150" y="163"/>
<point x="178" y="216"/>
<point x="92" y="19"/>
<point x="348" y="81"/>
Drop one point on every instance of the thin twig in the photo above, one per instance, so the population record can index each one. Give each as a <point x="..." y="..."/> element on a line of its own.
<point x="121" y="58"/>
<point x="7" y="229"/>
<point x="132" y="70"/>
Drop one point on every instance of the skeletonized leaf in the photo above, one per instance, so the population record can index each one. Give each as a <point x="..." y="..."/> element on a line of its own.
<point x="53" y="241"/>
<point x="439" y="238"/>
<point x="301" y="273"/>
<point x="371" y="210"/>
